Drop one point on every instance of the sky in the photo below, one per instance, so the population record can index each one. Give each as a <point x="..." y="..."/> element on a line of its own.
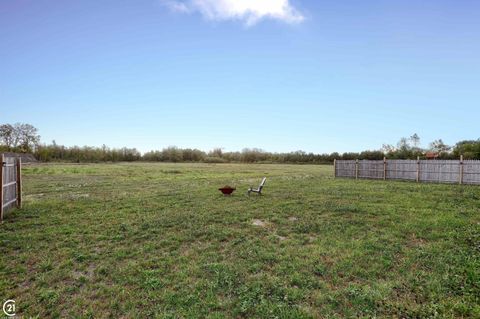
<point x="280" y="75"/>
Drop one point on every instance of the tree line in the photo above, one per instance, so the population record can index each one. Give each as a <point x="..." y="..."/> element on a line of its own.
<point x="24" y="138"/>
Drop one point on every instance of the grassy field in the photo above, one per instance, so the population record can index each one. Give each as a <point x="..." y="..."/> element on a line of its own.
<point x="159" y="240"/>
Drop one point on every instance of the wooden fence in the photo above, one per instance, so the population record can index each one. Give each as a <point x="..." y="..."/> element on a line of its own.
<point x="11" y="183"/>
<point x="435" y="171"/>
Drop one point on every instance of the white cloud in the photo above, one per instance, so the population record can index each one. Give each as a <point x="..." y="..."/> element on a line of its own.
<point x="249" y="11"/>
<point x="177" y="6"/>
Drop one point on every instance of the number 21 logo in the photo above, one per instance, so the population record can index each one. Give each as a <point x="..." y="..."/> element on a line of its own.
<point x="9" y="307"/>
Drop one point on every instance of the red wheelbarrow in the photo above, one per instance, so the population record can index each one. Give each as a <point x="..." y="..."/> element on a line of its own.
<point x="227" y="190"/>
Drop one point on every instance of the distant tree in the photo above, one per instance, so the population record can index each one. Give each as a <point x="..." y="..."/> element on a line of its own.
<point x="28" y="137"/>
<point x="470" y="149"/>
<point x="8" y="136"/>
<point x="403" y="144"/>
<point x="332" y="156"/>
<point x="438" y="146"/>
<point x="172" y="154"/>
<point x="372" y="155"/>
<point x="20" y="137"/>
<point x="405" y="150"/>
<point x="216" y="152"/>
<point x="104" y="152"/>
<point x="387" y="148"/>
<point x="415" y="139"/>
<point x="350" y="156"/>
<point x="192" y="155"/>
<point x="251" y="155"/>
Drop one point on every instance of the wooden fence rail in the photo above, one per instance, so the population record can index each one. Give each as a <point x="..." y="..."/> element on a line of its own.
<point x="435" y="171"/>
<point x="10" y="184"/>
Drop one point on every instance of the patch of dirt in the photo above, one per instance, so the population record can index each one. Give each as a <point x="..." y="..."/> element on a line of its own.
<point x="259" y="222"/>
<point x="98" y="250"/>
<point x="25" y="285"/>
<point x="415" y="241"/>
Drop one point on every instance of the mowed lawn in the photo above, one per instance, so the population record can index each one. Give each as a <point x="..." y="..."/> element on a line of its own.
<point x="147" y="240"/>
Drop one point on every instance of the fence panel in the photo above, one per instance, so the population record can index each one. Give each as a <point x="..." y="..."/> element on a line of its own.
<point x="471" y="172"/>
<point x="345" y="168"/>
<point x="10" y="186"/>
<point x="434" y="171"/>
<point x="370" y="169"/>
<point x="440" y="171"/>
<point x="402" y="169"/>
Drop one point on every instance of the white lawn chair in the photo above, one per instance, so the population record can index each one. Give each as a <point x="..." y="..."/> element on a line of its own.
<point x="259" y="189"/>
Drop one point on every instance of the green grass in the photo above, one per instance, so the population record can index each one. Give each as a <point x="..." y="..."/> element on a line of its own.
<point x="159" y="240"/>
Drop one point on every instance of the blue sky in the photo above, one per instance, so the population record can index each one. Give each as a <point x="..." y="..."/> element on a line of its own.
<point x="320" y="76"/>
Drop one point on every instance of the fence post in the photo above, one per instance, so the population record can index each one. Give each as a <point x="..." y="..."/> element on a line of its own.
<point x="418" y="169"/>
<point x="461" y="170"/>
<point x="384" y="168"/>
<point x="19" y="182"/>
<point x="356" y="169"/>
<point x="334" y="168"/>
<point x="1" y="187"/>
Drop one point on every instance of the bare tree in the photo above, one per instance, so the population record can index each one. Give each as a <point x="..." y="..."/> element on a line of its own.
<point x="438" y="146"/>
<point x="403" y="144"/>
<point x="387" y="148"/>
<point x="415" y="140"/>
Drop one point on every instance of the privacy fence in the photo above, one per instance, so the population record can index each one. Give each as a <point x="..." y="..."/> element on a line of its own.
<point x="10" y="183"/>
<point x="434" y="171"/>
